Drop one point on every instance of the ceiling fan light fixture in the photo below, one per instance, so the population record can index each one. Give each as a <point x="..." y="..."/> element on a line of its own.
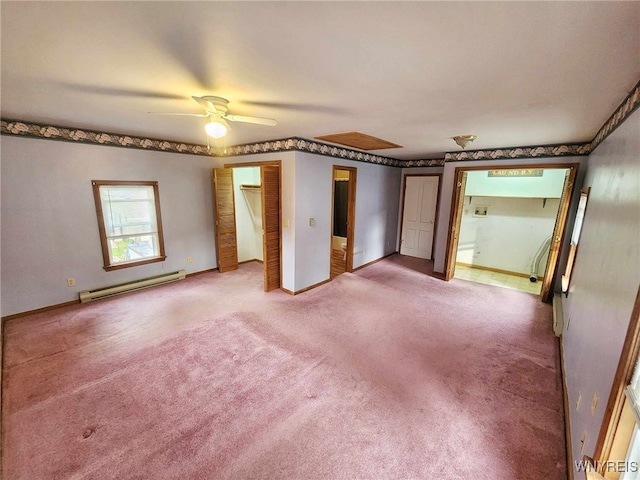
<point x="464" y="140"/>
<point x="216" y="128"/>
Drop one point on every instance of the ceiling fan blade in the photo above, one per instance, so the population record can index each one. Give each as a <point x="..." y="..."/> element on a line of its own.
<point x="298" y="107"/>
<point x="206" y="104"/>
<point x="257" y="120"/>
<point x="120" y="92"/>
<point x="201" y="115"/>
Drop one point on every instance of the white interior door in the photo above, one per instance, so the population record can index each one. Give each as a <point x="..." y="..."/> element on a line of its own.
<point x="418" y="218"/>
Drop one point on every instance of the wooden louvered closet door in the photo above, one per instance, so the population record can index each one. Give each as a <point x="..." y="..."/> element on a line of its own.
<point x="270" y="180"/>
<point x="226" y="240"/>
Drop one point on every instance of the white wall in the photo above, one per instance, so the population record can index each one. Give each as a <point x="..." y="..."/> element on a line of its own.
<point x="508" y="238"/>
<point x="377" y="196"/>
<point x="50" y="230"/>
<point x="549" y="185"/>
<point x="248" y="205"/>
<point x="447" y="191"/>
<point x="605" y="279"/>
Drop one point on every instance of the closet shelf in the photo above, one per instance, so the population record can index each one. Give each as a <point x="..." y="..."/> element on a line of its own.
<point x="250" y="187"/>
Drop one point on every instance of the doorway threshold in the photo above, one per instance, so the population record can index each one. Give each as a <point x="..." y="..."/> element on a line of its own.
<point x="498" y="279"/>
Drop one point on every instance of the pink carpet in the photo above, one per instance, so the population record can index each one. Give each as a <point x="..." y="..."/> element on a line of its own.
<point x="382" y="374"/>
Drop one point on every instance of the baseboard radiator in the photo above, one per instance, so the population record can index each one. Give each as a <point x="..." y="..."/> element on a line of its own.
<point x="90" y="295"/>
<point x="558" y="316"/>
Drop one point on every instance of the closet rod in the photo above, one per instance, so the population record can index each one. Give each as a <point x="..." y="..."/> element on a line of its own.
<point x="250" y="187"/>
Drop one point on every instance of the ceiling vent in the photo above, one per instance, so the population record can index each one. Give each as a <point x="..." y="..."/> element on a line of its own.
<point x="358" y="140"/>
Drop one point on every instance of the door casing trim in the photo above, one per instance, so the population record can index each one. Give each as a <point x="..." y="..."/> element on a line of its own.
<point x="351" y="215"/>
<point x="266" y="163"/>
<point x="563" y="209"/>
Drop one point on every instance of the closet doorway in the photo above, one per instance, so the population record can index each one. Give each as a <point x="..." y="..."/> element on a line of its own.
<point x="247" y="199"/>
<point x="343" y="218"/>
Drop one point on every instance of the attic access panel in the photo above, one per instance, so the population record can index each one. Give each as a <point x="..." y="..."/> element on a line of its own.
<point x="358" y="140"/>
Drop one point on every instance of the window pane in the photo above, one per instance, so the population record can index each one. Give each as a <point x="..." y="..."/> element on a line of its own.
<point x="133" y="248"/>
<point x="128" y="210"/>
<point x="635" y="384"/>
<point x="577" y="227"/>
<point x="114" y="192"/>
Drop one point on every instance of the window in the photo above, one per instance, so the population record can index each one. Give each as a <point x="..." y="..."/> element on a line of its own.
<point x="129" y="223"/>
<point x="575" y="238"/>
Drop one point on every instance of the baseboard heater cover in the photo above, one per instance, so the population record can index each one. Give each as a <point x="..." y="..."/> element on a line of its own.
<point x="90" y="295"/>
<point x="558" y="316"/>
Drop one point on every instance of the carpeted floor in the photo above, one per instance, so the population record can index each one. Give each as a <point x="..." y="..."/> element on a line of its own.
<point x="383" y="374"/>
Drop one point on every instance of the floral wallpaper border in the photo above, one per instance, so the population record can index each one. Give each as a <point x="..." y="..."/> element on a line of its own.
<point x="310" y="146"/>
<point x="27" y="129"/>
<point x="626" y="108"/>
<point x="35" y="130"/>
<point x="520" y="152"/>
<point x="15" y="127"/>
<point x="427" y="162"/>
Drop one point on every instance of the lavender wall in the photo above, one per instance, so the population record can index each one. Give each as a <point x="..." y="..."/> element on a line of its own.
<point x="50" y="230"/>
<point x="377" y="194"/>
<point x="306" y="193"/>
<point x="605" y="279"/>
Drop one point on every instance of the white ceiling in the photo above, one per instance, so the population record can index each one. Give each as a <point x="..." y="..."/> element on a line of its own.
<point x="414" y="73"/>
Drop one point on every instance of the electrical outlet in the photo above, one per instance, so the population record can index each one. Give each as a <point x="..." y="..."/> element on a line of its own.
<point x="579" y="400"/>
<point x="481" y="211"/>
<point x="189" y="259"/>
<point x="312" y="222"/>
<point x="71" y="281"/>
<point x="594" y="403"/>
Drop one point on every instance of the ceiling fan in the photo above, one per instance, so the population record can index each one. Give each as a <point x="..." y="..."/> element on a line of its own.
<point x="216" y="110"/>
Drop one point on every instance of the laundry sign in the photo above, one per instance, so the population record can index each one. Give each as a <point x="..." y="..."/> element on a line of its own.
<point x="519" y="172"/>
